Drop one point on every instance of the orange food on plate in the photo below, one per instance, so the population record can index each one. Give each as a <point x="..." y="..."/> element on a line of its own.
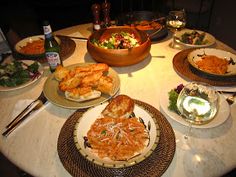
<point x="34" y="47"/>
<point x="148" y="25"/>
<point x="117" y="138"/>
<point x="213" y="64"/>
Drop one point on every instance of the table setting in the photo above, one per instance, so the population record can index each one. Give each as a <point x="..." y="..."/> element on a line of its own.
<point x="45" y="122"/>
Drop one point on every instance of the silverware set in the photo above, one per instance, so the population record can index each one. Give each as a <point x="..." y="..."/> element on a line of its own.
<point x="32" y="107"/>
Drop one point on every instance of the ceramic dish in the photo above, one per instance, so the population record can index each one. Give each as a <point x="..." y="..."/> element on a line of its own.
<point x="57" y="97"/>
<point x="197" y="54"/>
<point x="221" y="116"/>
<point x="28" y="62"/>
<point x="29" y="40"/>
<point x="210" y="39"/>
<point x="83" y="125"/>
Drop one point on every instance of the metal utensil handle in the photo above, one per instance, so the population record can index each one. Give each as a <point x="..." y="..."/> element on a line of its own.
<point x="21" y="114"/>
<point x="19" y="121"/>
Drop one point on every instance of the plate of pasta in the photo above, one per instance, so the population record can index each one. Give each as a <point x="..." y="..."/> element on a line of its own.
<point x="32" y="47"/>
<point x="116" y="142"/>
<point x="215" y="62"/>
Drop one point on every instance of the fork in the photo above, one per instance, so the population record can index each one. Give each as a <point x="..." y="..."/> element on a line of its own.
<point x="41" y="98"/>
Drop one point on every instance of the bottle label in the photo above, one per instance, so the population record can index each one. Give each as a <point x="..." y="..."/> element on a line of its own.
<point x="47" y="31"/>
<point x="53" y="59"/>
<point x="97" y="26"/>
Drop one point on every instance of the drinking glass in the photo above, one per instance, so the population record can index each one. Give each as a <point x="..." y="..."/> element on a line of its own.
<point x="197" y="104"/>
<point x="176" y="20"/>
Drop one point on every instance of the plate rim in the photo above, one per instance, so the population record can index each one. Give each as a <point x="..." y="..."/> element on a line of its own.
<point x="41" y="70"/>
<point x="125" y="164"/>
<point x="172" y="115"/>
<point x="78" y="105"/>
<point x="192" y="63"/>
<point x="192" y="45"/>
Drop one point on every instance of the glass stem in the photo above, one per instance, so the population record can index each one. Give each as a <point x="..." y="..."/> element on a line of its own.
<point x="189" y="131"/>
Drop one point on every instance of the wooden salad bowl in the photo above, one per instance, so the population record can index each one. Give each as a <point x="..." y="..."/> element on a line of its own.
<point x="119" y="57"/>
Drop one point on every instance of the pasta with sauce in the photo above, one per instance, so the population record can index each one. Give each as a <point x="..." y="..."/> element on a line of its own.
<point x="117" y="138"/>
<point x="213" y="64"/>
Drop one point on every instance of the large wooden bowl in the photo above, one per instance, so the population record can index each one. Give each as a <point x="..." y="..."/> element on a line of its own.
<point x="119" y="57"/>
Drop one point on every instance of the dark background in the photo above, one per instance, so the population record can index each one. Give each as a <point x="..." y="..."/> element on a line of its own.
<point x="25" y="17"/>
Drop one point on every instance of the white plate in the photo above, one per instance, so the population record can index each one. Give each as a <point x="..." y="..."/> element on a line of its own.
<point x="209" y="37"/>
<point x="196" y="55"/>
<point x="221" y="116"/>
<point x="30" y="39"/>
<point x="57" y="97"/>
<point x="83" y="125"/>
<point x="28" y="62"/>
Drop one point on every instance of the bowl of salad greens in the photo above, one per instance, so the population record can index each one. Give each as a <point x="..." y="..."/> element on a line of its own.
<point x="194" y="38"/>
<point x="16" y="74"/>
<point x="119" y="46"/>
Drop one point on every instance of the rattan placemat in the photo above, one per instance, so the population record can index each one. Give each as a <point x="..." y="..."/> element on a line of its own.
<point x="155" y="165"/>
<point x="185" y="70"/>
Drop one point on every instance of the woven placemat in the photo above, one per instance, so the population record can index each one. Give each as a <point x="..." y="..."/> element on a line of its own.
<point x="155" y="165"/>
<point x="185" y="70"/>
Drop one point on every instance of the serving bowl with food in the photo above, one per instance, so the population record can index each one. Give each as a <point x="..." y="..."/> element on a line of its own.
<point x="150" y="22"/>
<point x="119" y="46"/>
<point x="32" y="47"/>
<point x="215" y="62"/>
<point x="194" y="38"/>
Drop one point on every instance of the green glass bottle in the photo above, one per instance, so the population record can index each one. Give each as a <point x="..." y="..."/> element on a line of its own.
<point x="52" y="48"/>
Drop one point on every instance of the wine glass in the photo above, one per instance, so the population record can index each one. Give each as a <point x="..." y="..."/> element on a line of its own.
<point x="176" y="20"/>
<point x="198" y="105"/>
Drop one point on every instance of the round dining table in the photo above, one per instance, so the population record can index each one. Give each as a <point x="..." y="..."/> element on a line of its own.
<point x="33" y="146"/>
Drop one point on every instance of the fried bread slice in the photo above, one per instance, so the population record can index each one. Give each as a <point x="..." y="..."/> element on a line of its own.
<point x="121" y="106"/>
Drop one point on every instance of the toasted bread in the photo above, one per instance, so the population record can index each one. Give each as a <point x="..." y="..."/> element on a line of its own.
<point x="121" y="106"/>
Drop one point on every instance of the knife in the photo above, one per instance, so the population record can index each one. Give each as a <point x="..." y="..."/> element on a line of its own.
<point x="41" y="97"/>
<point x="73" y="37"/>
<point x="16" y="123"/>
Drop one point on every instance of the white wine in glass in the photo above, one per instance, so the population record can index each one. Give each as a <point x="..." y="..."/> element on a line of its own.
<point x="197" y="104"/>
<point x="176" y="20"/>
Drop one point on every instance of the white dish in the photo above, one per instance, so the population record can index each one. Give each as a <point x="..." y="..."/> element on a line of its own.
<point x="58" y="98"/>
<point x="211" y="39"/>
<point x="221" y="116"/>
<point x="28" y="62"/>
<point x="88" y="118"/>
<point x="30" y="39"/>
<point x="197" y="54"/>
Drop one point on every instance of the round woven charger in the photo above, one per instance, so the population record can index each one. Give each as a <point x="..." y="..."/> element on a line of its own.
<point x="185" y="70"/>
<point x="155" y="165"/>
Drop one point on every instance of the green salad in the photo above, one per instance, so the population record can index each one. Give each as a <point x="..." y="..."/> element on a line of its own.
<point x="173" y="96"/>
<point x="121" y="40"/>
<point x="17" y="72"/>
<point x="194" y="38"/>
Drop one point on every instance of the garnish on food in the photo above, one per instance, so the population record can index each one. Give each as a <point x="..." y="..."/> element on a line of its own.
<point x="17" y="72"/>
<point x="173" y="96"/>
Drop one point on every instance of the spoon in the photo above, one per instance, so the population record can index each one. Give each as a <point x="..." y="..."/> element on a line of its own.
<point x="230" y="99"/>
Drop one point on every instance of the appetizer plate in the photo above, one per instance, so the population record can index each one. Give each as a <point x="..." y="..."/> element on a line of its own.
<point x="58" y="98"/>
<point x="211" y="39"/>
<point x="28" y="62"/>
<point x="221" y="116"/>
<point x="29" y="40"/>
<point x="83" y="125"/>
<point x="197" y="54"/>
